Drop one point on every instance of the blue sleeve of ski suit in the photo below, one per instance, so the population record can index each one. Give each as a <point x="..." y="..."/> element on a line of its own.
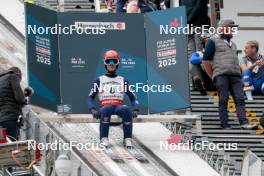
<point x="132" y="96"/>
<point x="93" y="92"/>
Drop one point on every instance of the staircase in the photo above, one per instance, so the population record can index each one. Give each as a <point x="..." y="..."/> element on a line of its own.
<point x="207" y="106"/>
<point x="69" y="5"/>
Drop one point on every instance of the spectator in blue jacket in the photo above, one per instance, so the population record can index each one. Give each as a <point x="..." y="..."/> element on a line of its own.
<point x="252" y="66"/>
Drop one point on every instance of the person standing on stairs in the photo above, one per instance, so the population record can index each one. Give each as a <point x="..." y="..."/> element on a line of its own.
<point x="222" y="65"/>
<point x="197" y="16"/>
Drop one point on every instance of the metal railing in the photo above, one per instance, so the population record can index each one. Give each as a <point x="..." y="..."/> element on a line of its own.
<point x="218" y="160"/>
<point x="34" y="128"/>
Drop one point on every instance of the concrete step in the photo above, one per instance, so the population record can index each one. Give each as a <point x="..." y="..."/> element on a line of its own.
<point x="233" y="127"/>
<point x="231" y="122"/>
<point x="68" y="1"/>
<point x="228" y="131"/>
<point x="86" y="5"/>
<point x="207" y="106"/>
<point x="208" y="114"/>
<point x="215" y="109"/>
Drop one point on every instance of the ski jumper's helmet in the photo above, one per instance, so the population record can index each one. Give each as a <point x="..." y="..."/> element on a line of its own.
<point x="111" y="57"/>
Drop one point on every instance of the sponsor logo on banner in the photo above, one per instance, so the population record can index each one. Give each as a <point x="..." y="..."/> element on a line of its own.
<point x="43" y="50"/>
<point x="170" y="52"/>
<point x="175" y="23"/>
<point x="104" y="25"/>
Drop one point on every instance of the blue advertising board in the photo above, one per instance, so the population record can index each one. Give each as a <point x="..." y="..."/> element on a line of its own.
<point x="64" y="63"/>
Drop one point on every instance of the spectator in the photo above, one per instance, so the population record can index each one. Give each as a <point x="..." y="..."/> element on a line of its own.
<point x="197" y="11"/>
<point x="146" y="6"/>
<point x="160" y="4"/>
<point x="222" y="65"/>
<point x="252" y="66"/>
<point x="166" y="3"/>
<point x="109" y="4"/>
<point x="120" y="6"/>
<point x="132" y="7"/>
<point x="12" y="99"/>
<point x="201" y="80"/>
<point x="262" y="120"/>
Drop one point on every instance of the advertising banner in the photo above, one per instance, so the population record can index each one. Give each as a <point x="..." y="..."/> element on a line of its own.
<point x="42" y="57"/>
<point x="82" y="55"/>
<point x="167" y="60"/>
<point x="64" y="62"/>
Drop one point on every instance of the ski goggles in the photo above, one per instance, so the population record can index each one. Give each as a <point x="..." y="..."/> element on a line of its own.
<point x="111" y="61"/>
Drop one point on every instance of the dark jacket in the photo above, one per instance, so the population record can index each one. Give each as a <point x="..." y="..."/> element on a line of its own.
<point x="12" y="97"/>
<point x="197" y="12"/>
<point x="223" y="56"/>
<point x="147" y="6"/>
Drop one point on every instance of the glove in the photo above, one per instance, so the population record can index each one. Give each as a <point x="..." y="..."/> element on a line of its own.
<point x="95" y="113"/>
<point x="134" y="114"/>
<point x="20" y="121"/>
<point x="26" y="101"/>
<point x="196" y="59"/>
<point x="28" y="91"/>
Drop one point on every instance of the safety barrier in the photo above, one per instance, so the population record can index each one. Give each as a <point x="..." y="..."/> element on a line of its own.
<point x="34" y="128"/>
